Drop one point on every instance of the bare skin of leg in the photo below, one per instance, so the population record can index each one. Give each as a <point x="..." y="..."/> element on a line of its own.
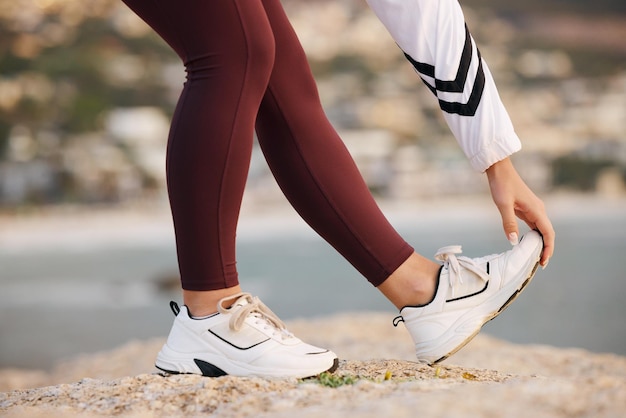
<point x="413" y="283"/>
<point x="204" y="302"/>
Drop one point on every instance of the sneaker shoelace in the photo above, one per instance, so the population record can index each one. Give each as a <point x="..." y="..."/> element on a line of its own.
<point x="255" y="308"/>
<point x="454" y="264"/>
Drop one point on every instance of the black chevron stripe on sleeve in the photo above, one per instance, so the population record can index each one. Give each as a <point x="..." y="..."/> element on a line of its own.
<point x="421" y="67"/>
<point x="458" y="84"/>
<point x="469" y="108"/>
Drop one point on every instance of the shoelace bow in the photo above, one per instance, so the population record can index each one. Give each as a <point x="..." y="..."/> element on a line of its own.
<point x="253" y="307"/>
<point x="447" y="255"/>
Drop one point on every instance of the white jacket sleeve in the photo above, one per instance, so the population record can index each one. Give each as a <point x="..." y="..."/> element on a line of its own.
<point x="435" y="39"/>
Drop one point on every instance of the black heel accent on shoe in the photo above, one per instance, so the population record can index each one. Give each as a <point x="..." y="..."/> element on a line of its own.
<point x="334" y="366"/>
<point x="208" y="369"/>
<point x="174" y="307"/>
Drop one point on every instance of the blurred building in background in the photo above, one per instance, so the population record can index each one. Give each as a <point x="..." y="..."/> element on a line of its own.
<point x="87" y="90"/>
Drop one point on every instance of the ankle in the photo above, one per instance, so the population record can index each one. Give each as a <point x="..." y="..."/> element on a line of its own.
<point x="201" y="303"/>
<point x="414" y="283"/>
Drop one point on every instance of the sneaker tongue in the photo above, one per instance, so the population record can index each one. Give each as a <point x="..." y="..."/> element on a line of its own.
<point x="468" y="283"/>
<point x="242" y="301"/>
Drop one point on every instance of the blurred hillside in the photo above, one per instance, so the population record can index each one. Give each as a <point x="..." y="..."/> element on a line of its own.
<point x="87" y="90"/>
<point x="538" y="7"/>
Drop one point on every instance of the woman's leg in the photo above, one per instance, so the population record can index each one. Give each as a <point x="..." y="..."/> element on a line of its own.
<point x="320" y="179"/>
<point x="227" y="47"/>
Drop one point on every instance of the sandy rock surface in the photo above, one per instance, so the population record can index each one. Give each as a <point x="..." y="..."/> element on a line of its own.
<point x="488" y="378"/>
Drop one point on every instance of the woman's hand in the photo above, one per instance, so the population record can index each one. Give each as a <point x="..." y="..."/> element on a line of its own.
<point x="514" y="198"/>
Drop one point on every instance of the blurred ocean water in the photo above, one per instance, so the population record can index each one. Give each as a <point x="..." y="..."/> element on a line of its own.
<point x="100" y="285"/>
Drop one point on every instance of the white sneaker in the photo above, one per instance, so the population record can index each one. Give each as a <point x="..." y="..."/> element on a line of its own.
<point x="470" y="292"/>
<point x="246" y="339"/>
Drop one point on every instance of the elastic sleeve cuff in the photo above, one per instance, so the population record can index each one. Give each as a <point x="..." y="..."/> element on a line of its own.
<point x="494" y="152"/>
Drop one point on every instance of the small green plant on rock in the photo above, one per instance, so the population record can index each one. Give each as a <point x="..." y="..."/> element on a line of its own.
<point x="334" y="381"/>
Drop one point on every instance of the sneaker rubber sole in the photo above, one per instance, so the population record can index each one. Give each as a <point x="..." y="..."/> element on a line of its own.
<point x="172" y="362"/>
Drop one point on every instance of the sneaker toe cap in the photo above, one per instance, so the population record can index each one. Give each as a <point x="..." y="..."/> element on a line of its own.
<point x="531" y="241"/>
<point x="524" y="256"/>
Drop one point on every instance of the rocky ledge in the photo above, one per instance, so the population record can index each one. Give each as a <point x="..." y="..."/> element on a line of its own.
<point x="488" y="378"/>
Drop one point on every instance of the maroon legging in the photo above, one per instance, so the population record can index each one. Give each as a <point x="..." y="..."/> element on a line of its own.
<point x="246" y="68"/>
